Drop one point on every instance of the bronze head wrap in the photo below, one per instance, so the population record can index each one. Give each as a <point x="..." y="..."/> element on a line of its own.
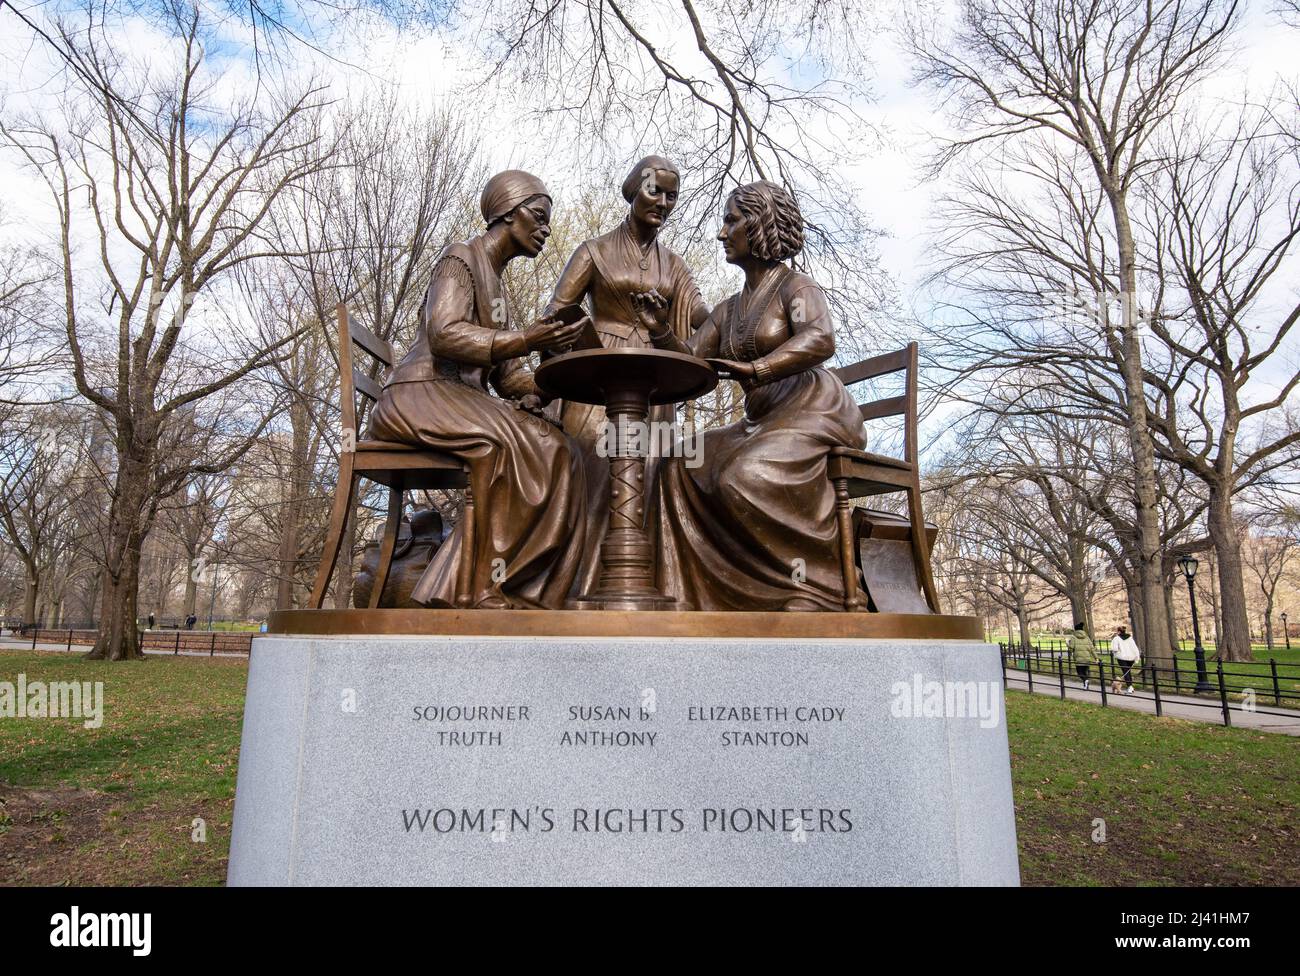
<point x="508" y="190"/>
<point x="636" y="176"/>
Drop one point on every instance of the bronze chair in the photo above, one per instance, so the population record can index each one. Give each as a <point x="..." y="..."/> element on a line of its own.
<point x="857" y="474"/>
<point x="401" y="467"/>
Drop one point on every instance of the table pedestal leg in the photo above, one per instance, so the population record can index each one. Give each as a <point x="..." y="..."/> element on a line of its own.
<point x="627" y="572"/>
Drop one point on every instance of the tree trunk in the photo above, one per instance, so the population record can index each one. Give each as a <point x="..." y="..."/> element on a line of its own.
<point x="118" y="638"/>
<point x="1212" y="599"/>
<point x="1136" y="614"/>
<point x="29" y="600"/>
<point x="292" y="509"/>
<point x="92" y="598"/>
<point x="1078" y="595"/>
<point x="1023" y="620"/>
<point x="288" y="558"/>
<point x="1145" y="483"/>
<point x="1169" y="617"/>
<point x="164" y="584"/>
<point x="191" y="591"/>
<point x="1268" y="624"/>
<point x="1078" y="598"/>
<point x="1235" y="644"/>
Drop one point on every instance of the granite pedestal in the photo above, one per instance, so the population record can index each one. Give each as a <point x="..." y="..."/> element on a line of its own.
<point x="656" y="761"/>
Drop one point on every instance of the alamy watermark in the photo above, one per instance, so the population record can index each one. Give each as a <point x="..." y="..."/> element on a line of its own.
<point x="77" y="929"/>
<point x="53" y="699"/>
<point x="919" y="698"/>
<point x="1095" y="310"/>
<point x="659" y="438"/>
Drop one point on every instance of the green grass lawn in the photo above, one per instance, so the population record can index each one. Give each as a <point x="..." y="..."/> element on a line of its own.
<point x="1260" y="652"/>
<point x="1184" y="803"/>
<point x="115" y="805"/>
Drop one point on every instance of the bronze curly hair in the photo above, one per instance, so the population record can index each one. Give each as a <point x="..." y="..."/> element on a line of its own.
<point x="773" y="221"/>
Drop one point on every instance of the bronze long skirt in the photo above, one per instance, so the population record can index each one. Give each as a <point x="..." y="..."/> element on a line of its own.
<point x="529" y="492"/>
<point x="753" y="527"/>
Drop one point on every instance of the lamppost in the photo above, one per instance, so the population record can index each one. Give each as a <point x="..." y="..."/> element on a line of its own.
<point x="1188" y="564"/>
<point x="1286" y="633"/>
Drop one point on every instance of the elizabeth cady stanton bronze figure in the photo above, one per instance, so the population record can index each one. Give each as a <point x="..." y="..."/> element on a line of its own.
<point x="753" y="527"/>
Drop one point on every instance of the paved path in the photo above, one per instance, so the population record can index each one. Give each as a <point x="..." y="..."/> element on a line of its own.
<point x="1173" y="706"/>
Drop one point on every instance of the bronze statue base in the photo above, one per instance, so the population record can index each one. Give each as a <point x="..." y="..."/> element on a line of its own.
<point x="624" y="623"/>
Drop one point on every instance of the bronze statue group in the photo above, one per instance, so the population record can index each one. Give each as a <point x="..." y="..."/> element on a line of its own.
<point x="750" y="527"/>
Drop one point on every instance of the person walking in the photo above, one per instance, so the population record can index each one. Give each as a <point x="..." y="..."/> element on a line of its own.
<point x="190" y="621"/>
<point x="1083" y="652"/>
<point x="1125" y="650"/>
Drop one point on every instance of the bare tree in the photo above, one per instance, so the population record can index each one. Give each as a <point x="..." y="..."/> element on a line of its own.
<point x="1271" y="554"/>
<point x="169" y="170"/>
<point x="190" y="518"/>
<point x="1225" y="205"/>
<point x="1079" y="513"/>
<point x="989" y="552"/>
<point x="1094" y="81"/>
<point x="39" y="479"/>
<point x="310" y="380"/>
<point x="365" y="233"/>
<point x="28" y="339"/>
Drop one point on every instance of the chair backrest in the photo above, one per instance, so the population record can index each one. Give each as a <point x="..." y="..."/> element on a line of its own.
<point x="904" y="405"/>
<point x="353" y="380"/>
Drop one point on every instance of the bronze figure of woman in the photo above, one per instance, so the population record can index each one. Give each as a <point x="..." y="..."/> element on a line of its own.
<point x="753" y="527"/>
<point x="609" y="273"/>
<point x="527" y="477"/>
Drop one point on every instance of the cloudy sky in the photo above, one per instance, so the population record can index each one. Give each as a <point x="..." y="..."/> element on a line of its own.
<point x="433" y="68"/>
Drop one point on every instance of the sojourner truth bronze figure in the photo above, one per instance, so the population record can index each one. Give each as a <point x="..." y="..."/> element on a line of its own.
<point x="526" y="475"/>
<point x="754" y="526"/>
<point x="610" y="273"/>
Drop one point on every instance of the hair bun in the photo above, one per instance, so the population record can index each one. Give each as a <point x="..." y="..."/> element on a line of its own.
<point x="773" y="220"/>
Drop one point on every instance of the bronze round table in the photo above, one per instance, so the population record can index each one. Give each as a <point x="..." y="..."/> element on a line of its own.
<point x="626" y="382"/>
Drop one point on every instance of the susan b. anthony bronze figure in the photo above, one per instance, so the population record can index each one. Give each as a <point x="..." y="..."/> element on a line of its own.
<point x="608" y="274"/>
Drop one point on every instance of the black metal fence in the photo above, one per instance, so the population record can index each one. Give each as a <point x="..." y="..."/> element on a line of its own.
<point x="213" y="643"/>
<point x="201" y="622"/>
<point x="1224" y="687"/>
